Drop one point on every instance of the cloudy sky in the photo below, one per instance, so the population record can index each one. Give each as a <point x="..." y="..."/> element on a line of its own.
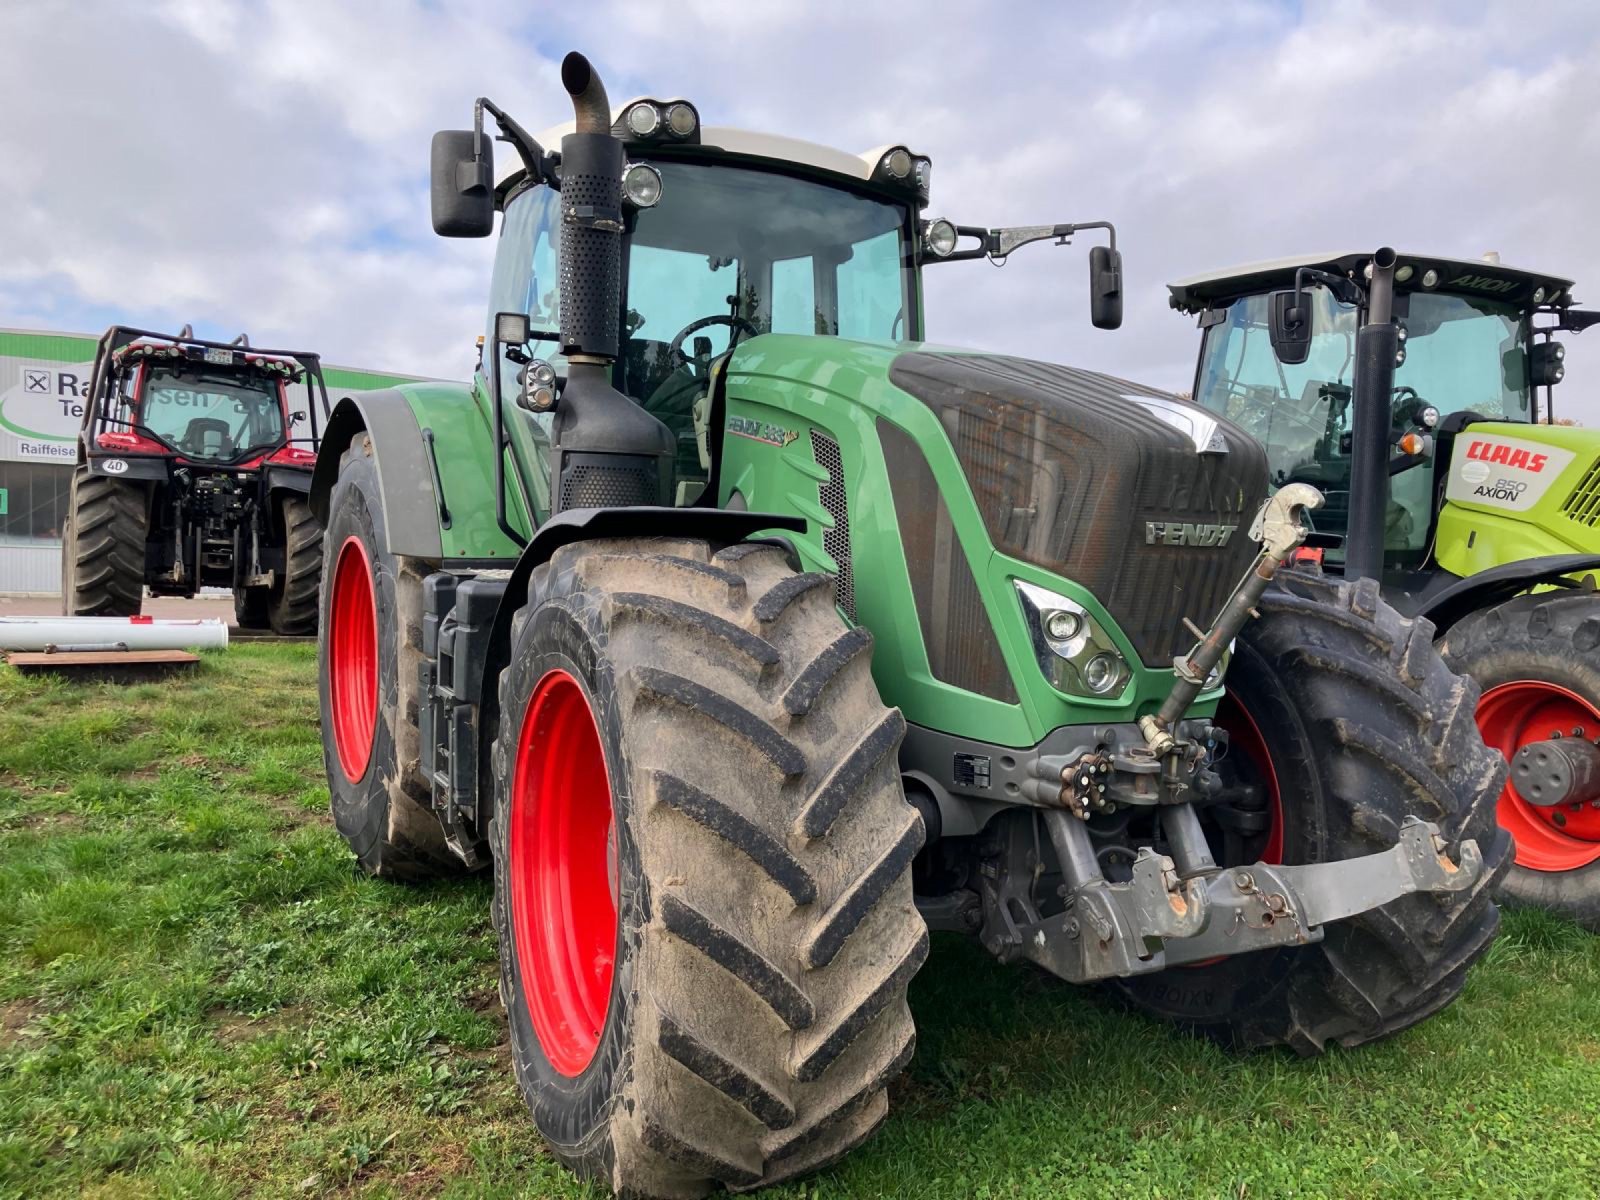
<point x="263" y="165"/>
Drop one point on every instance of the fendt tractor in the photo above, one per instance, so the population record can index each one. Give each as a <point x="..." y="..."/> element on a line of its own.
<point x="627" y="616"/>
<point x="1452" y="484"/>
<point x="191" y="474"/>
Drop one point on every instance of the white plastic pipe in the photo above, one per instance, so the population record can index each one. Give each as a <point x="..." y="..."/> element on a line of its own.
<point x="110" y="633"/>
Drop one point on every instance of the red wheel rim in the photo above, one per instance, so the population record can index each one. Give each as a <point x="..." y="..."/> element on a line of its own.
<point x="353" y="659"/>
<point x="563" y="873"/>
<point x="1244" y="737"/>
<point x="1562" y="838"/>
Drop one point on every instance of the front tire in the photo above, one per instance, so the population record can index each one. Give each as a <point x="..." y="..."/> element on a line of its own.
<point x="1346" y="721"/>
<point x="368" y="650"/>
<point x="1535" y="659"/>
<point x="702" y="855"/>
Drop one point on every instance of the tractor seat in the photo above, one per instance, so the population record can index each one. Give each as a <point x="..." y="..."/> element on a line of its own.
<point x="207" y="437"/>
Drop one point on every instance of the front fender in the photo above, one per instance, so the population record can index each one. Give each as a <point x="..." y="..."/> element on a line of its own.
<point x="405" y="478"/>
<point x="1498" y="584"/>
<point x="586" y="524"/>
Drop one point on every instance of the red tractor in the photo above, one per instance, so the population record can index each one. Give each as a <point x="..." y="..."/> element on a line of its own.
<point x="191" y="474"/>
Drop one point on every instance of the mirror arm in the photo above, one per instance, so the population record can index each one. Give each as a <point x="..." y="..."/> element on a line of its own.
<point x="1341" y="287"/>
<point x="540" y="163"/>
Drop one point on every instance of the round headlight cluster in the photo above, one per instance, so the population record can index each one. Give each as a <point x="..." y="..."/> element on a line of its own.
<point x="647" y="119"/>
<point x="898" y="163"/>
<point x="539" y="387"/>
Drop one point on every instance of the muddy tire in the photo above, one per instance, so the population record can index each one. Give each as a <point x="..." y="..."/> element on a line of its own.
<point x="706" y="730"/>
<point x="369" y="647"/>
<point x="1535" y="659"/>
<point x="1357" y="724"/>
<point x="291" y="608"/>
<point x="102" y="553"/>
<point x="250" y="607"/>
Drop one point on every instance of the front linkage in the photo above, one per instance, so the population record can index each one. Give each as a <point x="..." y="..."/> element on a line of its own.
<point x="1183" y="907"/>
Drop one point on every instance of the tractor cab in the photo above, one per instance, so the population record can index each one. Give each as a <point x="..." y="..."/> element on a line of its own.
<point x="223" y="406"/>
<point x="1476" y="356"/>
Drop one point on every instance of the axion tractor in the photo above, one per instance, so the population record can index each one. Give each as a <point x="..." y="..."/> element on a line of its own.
<point x="194" y="464"/>
<point x="1449" y="482"/>
<point x="750" y="638"/>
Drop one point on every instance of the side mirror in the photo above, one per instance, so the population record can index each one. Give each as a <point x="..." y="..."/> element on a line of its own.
<point x="1105" y="287"/>
<point x="462" y="183"/>
<point x="1290" y="327"/>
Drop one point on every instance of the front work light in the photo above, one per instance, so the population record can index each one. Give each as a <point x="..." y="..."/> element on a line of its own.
<point x="1545" y="363"/>
<point x="641" y="185"/>
<point x="643" y="119"/>
<point x="940" y="237"/>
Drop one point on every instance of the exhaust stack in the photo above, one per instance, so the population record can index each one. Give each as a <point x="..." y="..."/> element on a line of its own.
<point x="606" y="451"/>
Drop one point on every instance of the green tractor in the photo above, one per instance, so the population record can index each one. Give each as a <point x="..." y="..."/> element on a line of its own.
<point x="626" y="618"/>
<point x="1449" y="481"/>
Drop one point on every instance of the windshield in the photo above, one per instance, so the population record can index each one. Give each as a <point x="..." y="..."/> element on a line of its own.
<point x="738" y="249"/>
<point x="1461" y="354"/>
<point x="741" y="253"/>
<point x="215" y="416"/>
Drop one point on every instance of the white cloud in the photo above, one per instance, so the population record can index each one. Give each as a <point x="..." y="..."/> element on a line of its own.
<point x="263" y="165"/>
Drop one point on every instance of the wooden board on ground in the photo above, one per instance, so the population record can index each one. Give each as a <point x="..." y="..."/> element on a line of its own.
<point x="123" y="666"/>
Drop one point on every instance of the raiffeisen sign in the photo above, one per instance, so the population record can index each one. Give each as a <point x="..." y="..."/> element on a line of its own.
<point x="41" y="404"/>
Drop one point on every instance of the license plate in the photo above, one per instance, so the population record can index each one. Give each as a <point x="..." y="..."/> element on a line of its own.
<point x="224" y="357"/>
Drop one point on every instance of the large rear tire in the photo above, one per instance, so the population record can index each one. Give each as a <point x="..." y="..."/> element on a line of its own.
<point x="369" y="648"/>
<point x="1535" y="657"/>
<point x="291" y="608"/>
<point x="702" y="855"/>
<point x="1347" y="721"/>
<point x="102" y="552"/>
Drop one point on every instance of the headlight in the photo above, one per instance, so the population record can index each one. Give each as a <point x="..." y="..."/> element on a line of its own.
<point x="643" y="119"/>
<point x="940" y="237"/>
<point x="641" y="184"/>
<point x="681" y="120"/>
<point x="1076" y="655"/>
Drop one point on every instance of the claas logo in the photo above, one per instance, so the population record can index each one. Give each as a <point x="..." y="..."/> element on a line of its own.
<point x="1499" y="452"/>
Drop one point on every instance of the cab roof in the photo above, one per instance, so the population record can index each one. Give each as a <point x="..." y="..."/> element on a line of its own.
<point x="743" y="142"/>
<point x="1484" y="278"/>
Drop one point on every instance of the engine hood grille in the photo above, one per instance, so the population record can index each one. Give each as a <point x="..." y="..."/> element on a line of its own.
<point x="1142" y="498"/>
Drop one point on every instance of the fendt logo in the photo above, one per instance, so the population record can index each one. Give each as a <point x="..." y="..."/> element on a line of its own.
<point x="1499" y="452"/>
<point x="1484" y="283"/>
<point x="1186" y="533"/>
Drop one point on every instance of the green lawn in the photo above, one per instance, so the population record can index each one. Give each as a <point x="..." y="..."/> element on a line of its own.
<point x="199" y="996"/>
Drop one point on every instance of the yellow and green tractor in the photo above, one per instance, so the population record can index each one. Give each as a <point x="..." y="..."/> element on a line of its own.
<point x="1452" y="481"/>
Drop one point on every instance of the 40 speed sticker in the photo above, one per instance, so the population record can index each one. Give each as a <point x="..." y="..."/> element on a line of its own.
<point x="1503" y="472"/>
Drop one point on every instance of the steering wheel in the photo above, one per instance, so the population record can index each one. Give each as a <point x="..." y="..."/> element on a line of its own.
<point x="676" y="349"/>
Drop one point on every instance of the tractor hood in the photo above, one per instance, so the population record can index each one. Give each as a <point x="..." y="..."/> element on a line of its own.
<point x="1141" y="497"/>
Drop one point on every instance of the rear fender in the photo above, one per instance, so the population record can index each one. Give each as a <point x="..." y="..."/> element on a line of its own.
<point x="1499" y="584"/>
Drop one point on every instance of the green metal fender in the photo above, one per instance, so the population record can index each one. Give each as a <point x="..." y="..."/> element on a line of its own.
<point x="435" y="456"/>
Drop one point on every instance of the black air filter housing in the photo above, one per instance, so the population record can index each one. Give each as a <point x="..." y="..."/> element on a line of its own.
<point x="1073" y="470"/>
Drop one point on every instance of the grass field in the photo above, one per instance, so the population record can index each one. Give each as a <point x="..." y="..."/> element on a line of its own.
<point x="200" y="997"/>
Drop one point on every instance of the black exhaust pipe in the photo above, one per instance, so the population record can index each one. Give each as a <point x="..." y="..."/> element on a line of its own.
<point x="1377" y="347"/>
<point x="606" y="451"/>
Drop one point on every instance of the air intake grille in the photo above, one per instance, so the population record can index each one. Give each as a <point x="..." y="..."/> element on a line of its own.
<point x="836" y="541"/>
<point x="1583" y="505"/>
<point x="586" y="485"/>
